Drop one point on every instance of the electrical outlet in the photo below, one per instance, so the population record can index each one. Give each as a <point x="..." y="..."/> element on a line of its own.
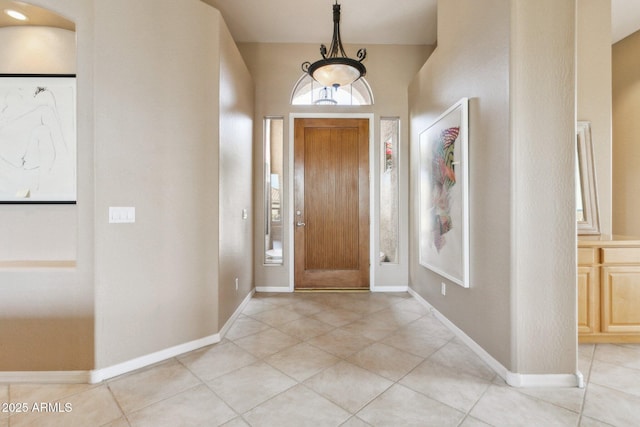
<point x="236" y="284"/>
<point x="443" y="288"/>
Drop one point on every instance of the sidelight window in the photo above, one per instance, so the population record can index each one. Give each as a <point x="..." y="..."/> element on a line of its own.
<point x="389" y="188"/>
<point x="273" y="174"/>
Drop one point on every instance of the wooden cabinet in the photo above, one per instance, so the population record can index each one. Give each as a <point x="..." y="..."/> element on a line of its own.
<point x="588" y="300"/>
<point x="608" y="289"/>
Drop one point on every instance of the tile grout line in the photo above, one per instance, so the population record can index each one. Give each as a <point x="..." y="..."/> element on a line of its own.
<point x="165" y="398"/>
<point x="379" y="307"/>
<point x="340" y="358"/>
<point x="113" y="396"/>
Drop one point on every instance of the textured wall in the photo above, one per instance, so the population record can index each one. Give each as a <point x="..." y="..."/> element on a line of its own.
<point x="543" y="245"/>
<point x="156" y="105"/>
<point x="626" y="128"/>
<point x="472" y="60"/>
<point x="594" y="94"/>
<point x="236" y="178"/>
<point x="516" y="66"/>
<point x="37" y="50"/>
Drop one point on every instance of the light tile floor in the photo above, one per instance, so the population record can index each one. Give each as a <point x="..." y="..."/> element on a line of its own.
<point x="337" y="359"/>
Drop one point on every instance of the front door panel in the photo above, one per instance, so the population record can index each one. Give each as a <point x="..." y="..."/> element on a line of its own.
<point x="331" y="211"/>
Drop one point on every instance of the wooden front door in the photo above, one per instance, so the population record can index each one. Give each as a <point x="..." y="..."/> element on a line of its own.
<point x="331" y="210"/>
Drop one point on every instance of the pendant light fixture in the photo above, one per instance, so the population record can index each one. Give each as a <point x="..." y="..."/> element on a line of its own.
<point x="336" y="69"/>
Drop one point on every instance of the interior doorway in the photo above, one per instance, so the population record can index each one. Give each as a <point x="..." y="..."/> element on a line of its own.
<point x="331" y="203"/>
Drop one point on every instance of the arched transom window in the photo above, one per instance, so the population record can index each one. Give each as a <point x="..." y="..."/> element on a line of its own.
<point x="307" y="91"/>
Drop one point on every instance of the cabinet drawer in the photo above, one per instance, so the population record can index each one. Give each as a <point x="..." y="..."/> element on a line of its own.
<point x="587" y="256"/>
<point x="621" y="255"/>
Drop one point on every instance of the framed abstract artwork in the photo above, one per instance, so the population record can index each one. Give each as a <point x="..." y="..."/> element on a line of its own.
<point x="37" y="138"/>
<point x="444" y="195"/>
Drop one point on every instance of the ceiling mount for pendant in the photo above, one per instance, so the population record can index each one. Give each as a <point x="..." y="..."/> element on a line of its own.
<point x="336" y="69"/>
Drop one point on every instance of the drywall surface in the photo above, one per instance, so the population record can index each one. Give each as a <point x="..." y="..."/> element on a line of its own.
<point x="156" y="121"/>
<point x="626" y="150"/>
<point x="522" y="230"/>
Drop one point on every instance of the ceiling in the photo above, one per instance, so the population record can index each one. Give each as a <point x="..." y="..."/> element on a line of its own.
<point x="311" y="21"/>
<point x="625" y="18"/>
<point x="363" y="21"/>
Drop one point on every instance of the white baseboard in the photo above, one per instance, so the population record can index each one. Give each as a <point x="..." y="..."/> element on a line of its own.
<point x="45" y="377"/>
<point x="545" y="380"/>
<point x="99" y="375"/>
<point x="511" y="378"/>
<point x="273" y="289"/>
<point x="389" y="288"/>
<point x="229" y="323"/>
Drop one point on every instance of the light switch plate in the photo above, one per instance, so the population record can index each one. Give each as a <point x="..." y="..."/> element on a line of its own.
<point x="120" y="215"/>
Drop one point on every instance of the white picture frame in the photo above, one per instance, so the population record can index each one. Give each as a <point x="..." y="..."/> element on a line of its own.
<point x="444" y="195"/>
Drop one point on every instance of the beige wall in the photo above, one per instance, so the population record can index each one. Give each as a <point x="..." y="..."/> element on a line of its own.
<point x="155" y="139"/>
<point x="543" y="223"/>
<point x="516" y="67"/>
<point x="172" y="102"/>
<point x="153" y="133"/>
<point x="626" y="128"/>
<point x="594" y="94"/>
<point x="47" y="314"/>
<point x="236" y="178"/>
<point x="472" y="60"/>
<point x="276" y="69"/>
<point x="37" y="50"/>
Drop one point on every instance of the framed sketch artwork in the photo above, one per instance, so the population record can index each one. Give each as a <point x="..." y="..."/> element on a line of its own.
<point x="37" y="138"/>
<point x="444" y="187"/>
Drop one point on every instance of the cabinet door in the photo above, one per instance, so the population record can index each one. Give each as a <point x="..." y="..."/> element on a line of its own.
<point x="588" y="300"/>
<point x="621" y="299"/>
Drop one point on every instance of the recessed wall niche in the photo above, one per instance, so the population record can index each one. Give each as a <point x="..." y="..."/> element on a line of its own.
<point x="44" y="43"/>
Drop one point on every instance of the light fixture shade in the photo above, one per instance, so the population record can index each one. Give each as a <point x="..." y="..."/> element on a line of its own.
<point x="335" y="73"/>
<point x="336" y="69"/>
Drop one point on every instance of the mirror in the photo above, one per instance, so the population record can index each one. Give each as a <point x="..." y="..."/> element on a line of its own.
<point x="586" y="193"/>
